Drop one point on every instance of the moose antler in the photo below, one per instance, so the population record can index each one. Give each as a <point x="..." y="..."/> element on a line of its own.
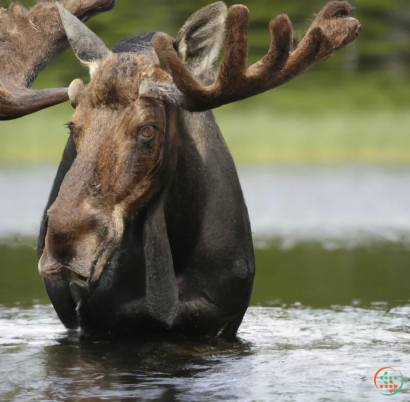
<point x="332" y="30"/>
<point x="29" y="41"/>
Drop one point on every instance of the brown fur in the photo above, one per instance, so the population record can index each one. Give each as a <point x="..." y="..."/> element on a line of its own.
<point x="30" y="40"/>
<point x="328" y="33"/>
<point x="119" y="173"/>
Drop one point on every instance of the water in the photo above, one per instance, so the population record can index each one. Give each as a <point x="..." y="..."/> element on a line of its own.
<point x="284" y="354"/>
<point x="331" y="304"/>
<point x="345" y="204"/>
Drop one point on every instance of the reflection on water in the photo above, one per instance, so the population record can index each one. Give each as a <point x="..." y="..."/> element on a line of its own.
<point x="320" y="277"/>
<point x="339" y="205"/>
<point x="331" y="303"/>
<point x="283" y="354"/>
<point x="308" y="273"/>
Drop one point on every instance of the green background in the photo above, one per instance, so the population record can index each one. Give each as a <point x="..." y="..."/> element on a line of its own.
<point x="351" y="108"/>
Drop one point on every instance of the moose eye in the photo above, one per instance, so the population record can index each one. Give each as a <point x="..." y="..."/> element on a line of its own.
<point x="70" y="126"/>
<point x="148" y="132"/>
<point x="343" y="13"/>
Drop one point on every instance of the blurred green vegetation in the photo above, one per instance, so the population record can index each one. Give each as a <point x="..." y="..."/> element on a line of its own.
<point x="353" y="107"/>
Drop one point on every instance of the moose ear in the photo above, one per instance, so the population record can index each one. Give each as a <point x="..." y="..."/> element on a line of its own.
<point x="200" y="40"/>
<point x="87" y="46"/>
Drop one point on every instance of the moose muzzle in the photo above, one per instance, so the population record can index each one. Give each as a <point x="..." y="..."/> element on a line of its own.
<point x="81" y="233"/>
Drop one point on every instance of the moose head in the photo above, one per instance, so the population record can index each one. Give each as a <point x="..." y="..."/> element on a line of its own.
<point x="145" y="170"/>
<point x="30" y="40"/>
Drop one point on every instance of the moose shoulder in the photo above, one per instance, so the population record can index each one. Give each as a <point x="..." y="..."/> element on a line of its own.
<point x="146" y="229"/>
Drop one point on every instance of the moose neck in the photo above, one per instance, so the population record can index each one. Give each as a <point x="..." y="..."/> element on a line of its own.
<point x="205" y="196"/>
<point x="199" y="202"/>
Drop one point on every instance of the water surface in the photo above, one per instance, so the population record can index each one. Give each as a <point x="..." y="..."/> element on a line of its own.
<point x="331" y="304"/>
<point x="283" y="354"/>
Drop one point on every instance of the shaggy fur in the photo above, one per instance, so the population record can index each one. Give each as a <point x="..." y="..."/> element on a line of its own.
<point x="30" y="40"/>
<point x="164" y="91"/>
<point x="123" y="77"/>
<point x="332" y="30"/>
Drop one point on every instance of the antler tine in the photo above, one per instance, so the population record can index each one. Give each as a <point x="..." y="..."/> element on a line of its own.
<point x="281" y="46"/>
<point x="235" y="58"/>
<point x="22" y="102"/>
<point x="332" y="30"/>
<point x="303" y="58"/>
<point x="322" y="40"/>
<point x="235" y="81"/>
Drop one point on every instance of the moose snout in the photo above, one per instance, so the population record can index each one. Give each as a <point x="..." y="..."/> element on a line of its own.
<point x="72" y="244"/>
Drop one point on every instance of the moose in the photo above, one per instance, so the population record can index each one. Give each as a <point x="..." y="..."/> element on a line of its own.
<point x="30" y="41"/>
<point x="146" y="230"/>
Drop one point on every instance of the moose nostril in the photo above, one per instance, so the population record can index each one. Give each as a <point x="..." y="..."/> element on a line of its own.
<point x="61" y="251"/>
<point x="95" y="189"/>
<point x="48" y="268"/>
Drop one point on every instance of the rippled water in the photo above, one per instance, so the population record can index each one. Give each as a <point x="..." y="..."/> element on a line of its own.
<point x="331" y="304"/>
<point x="283" y="354"/>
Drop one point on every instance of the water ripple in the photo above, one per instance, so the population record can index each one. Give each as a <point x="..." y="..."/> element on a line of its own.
<point x="283" y="354"/>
